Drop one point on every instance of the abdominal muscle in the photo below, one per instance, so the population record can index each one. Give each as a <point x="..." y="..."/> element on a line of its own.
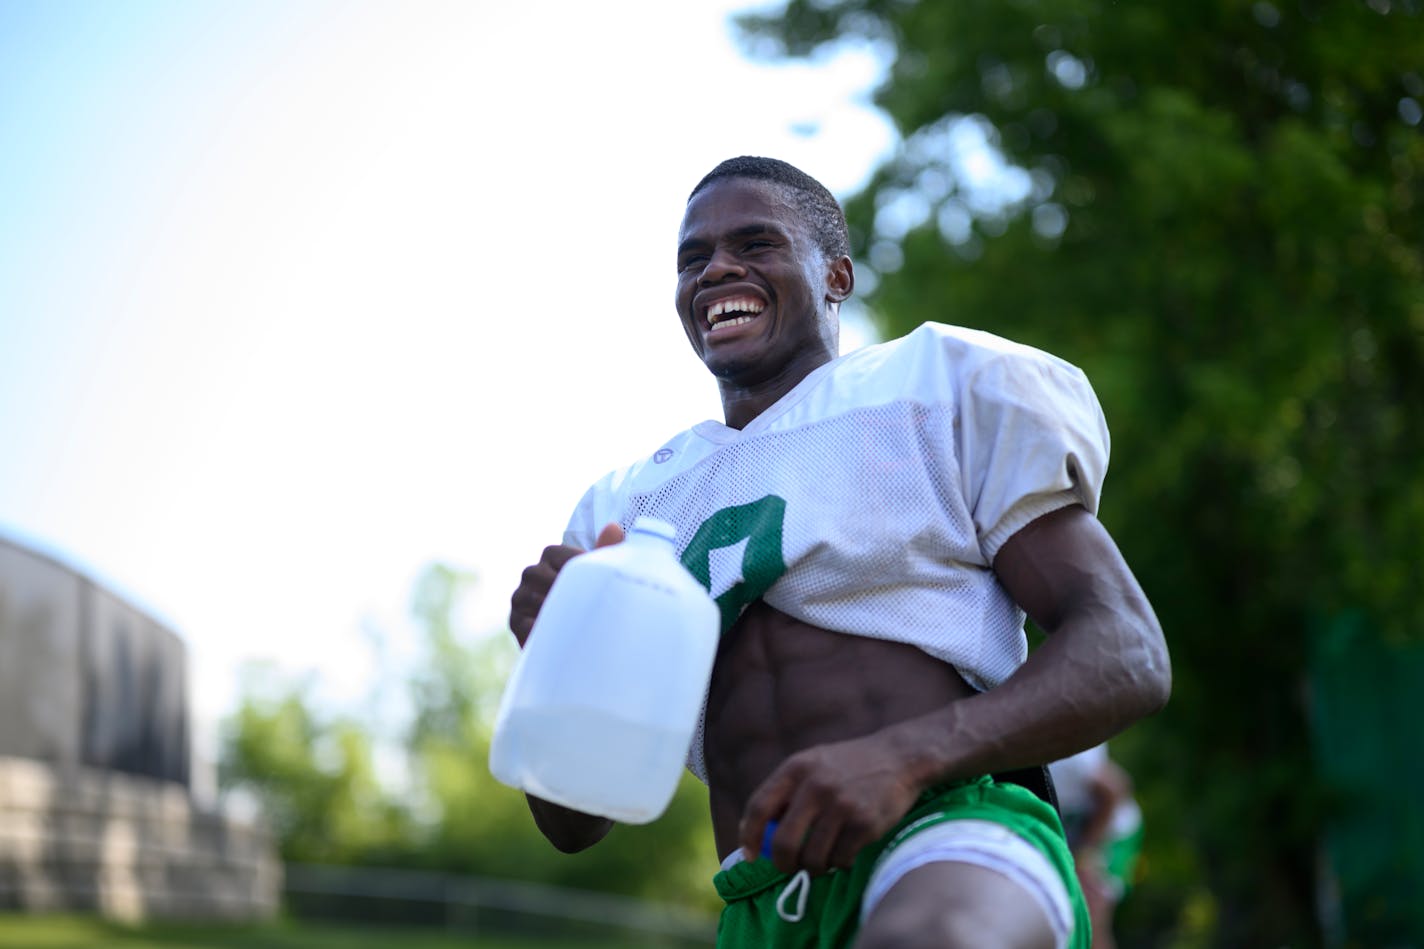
<point x="780" y="686"/>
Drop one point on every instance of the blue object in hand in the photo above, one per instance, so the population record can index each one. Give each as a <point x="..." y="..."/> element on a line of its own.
<point x="766" y="836"/>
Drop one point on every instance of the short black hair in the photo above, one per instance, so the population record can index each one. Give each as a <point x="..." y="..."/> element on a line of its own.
<point x="815" y="203"/>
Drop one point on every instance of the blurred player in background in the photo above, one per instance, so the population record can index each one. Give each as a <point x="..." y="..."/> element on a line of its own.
<point x="1104" y="827"/>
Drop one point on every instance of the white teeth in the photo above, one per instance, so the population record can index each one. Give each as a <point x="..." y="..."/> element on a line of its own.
<point x="738" y="321"/>
<point x="736" y="305"/>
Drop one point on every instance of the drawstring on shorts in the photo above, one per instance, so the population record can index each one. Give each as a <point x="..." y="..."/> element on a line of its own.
<point x="800" y="885"/>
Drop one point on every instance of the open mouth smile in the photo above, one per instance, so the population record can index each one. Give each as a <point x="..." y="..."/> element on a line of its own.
<point x="734" y="311"/>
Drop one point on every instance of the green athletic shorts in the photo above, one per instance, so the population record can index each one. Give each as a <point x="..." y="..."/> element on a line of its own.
<point x="751" y="889"/>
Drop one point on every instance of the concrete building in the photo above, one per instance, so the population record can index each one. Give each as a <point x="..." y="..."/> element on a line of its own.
<point x="97" y="810"/>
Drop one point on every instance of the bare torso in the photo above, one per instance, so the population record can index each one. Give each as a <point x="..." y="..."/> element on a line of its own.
<point x="781" y="685"/>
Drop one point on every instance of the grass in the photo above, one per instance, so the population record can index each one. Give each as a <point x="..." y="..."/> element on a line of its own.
<point x="85" y="932"/>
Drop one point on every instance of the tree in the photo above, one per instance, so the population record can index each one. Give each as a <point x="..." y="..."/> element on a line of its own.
<point x="1214" y="208"/>
<point x="314" y="778"/>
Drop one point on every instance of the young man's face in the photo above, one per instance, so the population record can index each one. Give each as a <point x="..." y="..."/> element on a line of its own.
<point x="752" y="284"/>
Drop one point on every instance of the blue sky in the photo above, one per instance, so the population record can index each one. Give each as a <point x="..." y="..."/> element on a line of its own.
<point x="296" y="298"/>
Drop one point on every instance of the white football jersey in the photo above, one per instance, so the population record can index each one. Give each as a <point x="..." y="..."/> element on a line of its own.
<point x="872" y="498"/>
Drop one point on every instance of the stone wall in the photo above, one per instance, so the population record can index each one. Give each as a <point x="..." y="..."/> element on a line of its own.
<point x="127" y="847"/>
<point x="96" y="811"/>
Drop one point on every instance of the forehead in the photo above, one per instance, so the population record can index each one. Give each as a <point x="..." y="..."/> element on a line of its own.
<point x="735" y="204"/>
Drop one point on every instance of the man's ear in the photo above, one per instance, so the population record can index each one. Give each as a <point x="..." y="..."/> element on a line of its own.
<point x="840" y="279"/>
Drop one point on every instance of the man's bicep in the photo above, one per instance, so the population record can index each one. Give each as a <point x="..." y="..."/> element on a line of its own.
<point x="1062" y="562"/>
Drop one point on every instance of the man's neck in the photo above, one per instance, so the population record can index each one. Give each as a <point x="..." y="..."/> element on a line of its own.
<point x="741" y="403"/>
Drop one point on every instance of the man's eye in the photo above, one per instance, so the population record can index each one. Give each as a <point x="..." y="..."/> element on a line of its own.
<point x="687" y="263"/>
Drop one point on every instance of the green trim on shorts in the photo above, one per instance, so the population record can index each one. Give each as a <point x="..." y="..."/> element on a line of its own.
<point x="751" y="888"/>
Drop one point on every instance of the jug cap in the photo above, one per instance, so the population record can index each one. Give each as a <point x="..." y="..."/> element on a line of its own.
<point x="656" y="527"/>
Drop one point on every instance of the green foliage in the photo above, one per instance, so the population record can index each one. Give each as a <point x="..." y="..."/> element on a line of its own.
<point x="315" y="779"/>
<point x="1220" y="220"/>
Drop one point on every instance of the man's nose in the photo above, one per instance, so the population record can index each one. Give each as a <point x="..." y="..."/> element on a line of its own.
<point x="721" y="266"/>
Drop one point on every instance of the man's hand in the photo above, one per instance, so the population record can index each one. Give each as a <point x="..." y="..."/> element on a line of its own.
<point x="536" y="580"/>
<point x="828" y="803"/>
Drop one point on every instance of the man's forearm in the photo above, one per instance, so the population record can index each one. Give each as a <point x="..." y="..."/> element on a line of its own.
<point x="568" y="830"/>
<point x="1103" y="665"/>
<point x="1083" y="685"/>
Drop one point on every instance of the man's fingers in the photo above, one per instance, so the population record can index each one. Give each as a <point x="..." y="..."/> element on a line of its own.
<point x="766" y="805"/>
<point x="534" y="586"/>
<point x="610" y="535"/>
<point x="771" y="804"/>
<point x="853" y="838"/>
<point x="822" y="845"/>
<point x="557" y="556"/>
<point x="789" y="849"/>
<point x="521" y="627"/>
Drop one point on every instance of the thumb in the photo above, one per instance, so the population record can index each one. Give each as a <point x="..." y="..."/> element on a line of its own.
<point x="610" y="535"/>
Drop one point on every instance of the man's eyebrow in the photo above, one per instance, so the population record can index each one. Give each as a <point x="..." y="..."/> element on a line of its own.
<point x="741" y="233"/>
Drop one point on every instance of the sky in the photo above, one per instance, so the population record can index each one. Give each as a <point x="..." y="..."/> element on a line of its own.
<point x="299" y="298"/>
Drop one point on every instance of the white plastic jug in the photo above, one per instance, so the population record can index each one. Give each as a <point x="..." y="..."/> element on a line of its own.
<point x="599" y="712"/>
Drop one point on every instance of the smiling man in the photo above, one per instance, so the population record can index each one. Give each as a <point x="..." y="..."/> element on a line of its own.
<point x="874" y="528"/>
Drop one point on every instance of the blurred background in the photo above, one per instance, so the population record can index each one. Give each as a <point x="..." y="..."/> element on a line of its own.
<point x="316" y="319"/>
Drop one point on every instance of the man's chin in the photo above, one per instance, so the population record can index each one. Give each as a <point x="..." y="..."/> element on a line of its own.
<point x="727" y="367"/>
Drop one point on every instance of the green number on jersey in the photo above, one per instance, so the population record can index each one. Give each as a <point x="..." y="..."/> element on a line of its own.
<point x="759" y="525"/>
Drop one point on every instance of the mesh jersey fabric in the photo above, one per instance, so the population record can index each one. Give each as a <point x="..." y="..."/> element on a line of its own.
<point x="897" y="472"/>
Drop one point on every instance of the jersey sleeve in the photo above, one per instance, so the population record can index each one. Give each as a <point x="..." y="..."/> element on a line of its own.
<point x="580" y="533"/>
<point x="1032" y="440"/>
<point x="600" y="505"/>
